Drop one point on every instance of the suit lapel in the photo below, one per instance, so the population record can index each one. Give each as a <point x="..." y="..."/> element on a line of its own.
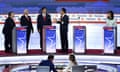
<point x="62" y="18"/>
<point x="27" y="18"/>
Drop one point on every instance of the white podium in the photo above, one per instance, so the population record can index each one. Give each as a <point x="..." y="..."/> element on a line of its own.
<point x="79" y="36"/>
<point x="109" y="40"/>
<point x="49" y="39"/>
<point x="19" y="40"/>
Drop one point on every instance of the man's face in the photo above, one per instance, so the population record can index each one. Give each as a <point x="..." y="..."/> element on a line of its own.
<point x="44" y="11"/>
<point x="12" y="15"/>
<point x="26" y="11"/>
<point x="61" y="12"/>
<point x="52" y="60"/>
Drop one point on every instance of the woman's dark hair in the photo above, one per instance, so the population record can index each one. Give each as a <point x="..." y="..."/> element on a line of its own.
<point x="111" y="15"/>
<point x="9" y="13"/>
<point x="64" y="10"/>
<point x="73" y="59"/>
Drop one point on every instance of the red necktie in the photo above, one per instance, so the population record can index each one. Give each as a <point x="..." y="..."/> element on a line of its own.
<point x="44" y="18"/>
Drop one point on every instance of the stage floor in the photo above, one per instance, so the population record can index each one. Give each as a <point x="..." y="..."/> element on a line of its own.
<point x="35" y="56"/>
<point x="59" y="52"/>
<point x="59" y="59"/>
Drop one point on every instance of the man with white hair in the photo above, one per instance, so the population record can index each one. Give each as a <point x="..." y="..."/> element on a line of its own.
<point x="26" y="21"/>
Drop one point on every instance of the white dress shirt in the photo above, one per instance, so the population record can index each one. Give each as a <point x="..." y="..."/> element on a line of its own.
<point x="44" y="14"/>
<point x="62" y="17"/>
<point x="69" y="67"/>
<point x="111" y="23"/>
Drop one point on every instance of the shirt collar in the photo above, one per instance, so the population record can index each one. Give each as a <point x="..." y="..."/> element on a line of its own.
<point x="26" y="15"/>
<point x="43" y="14"/>
<point x="63" y="15"/>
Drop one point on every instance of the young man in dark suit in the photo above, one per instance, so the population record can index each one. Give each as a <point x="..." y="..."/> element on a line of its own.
<point x="7" y="31"/>
<point x="49" y="63"/>
<point x="43" y="19"/>
<point x="64" y="21"/>
<point x="26" y="21"/>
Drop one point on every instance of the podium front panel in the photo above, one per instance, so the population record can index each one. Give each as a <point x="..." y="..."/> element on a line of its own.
<point x="50" y="39"/>
<point x="109" y="40"/>
<point x="21" y="40"/>
<point x="79" y="39"/>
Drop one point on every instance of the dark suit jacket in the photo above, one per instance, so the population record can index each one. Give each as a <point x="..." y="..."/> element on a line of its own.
<point x="41" y="22"/>
<point x="64" y="23"/>
<point x="9" y="25"/>
<point x="48" y="63"/>
<point x="25" y="22"/>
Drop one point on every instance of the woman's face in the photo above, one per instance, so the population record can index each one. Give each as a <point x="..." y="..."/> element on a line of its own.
<point x="108" y="15"/>
<point x="71" y="58"/>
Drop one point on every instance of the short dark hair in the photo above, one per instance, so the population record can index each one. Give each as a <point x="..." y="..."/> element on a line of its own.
<point x="112" y="15"/>
<point x="9" y="13"/>
<point x="50" y="57"/>
<point x="64" y="10"/>
<point x="42" y="9"/>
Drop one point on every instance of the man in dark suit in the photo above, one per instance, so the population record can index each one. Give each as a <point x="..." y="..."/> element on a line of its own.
<point x="7" y="31"/>
<point x="26" y="21"/>
<point x="49" y="63"/>
<point x="64" y="21"/>
<point x="43" y="20"/>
